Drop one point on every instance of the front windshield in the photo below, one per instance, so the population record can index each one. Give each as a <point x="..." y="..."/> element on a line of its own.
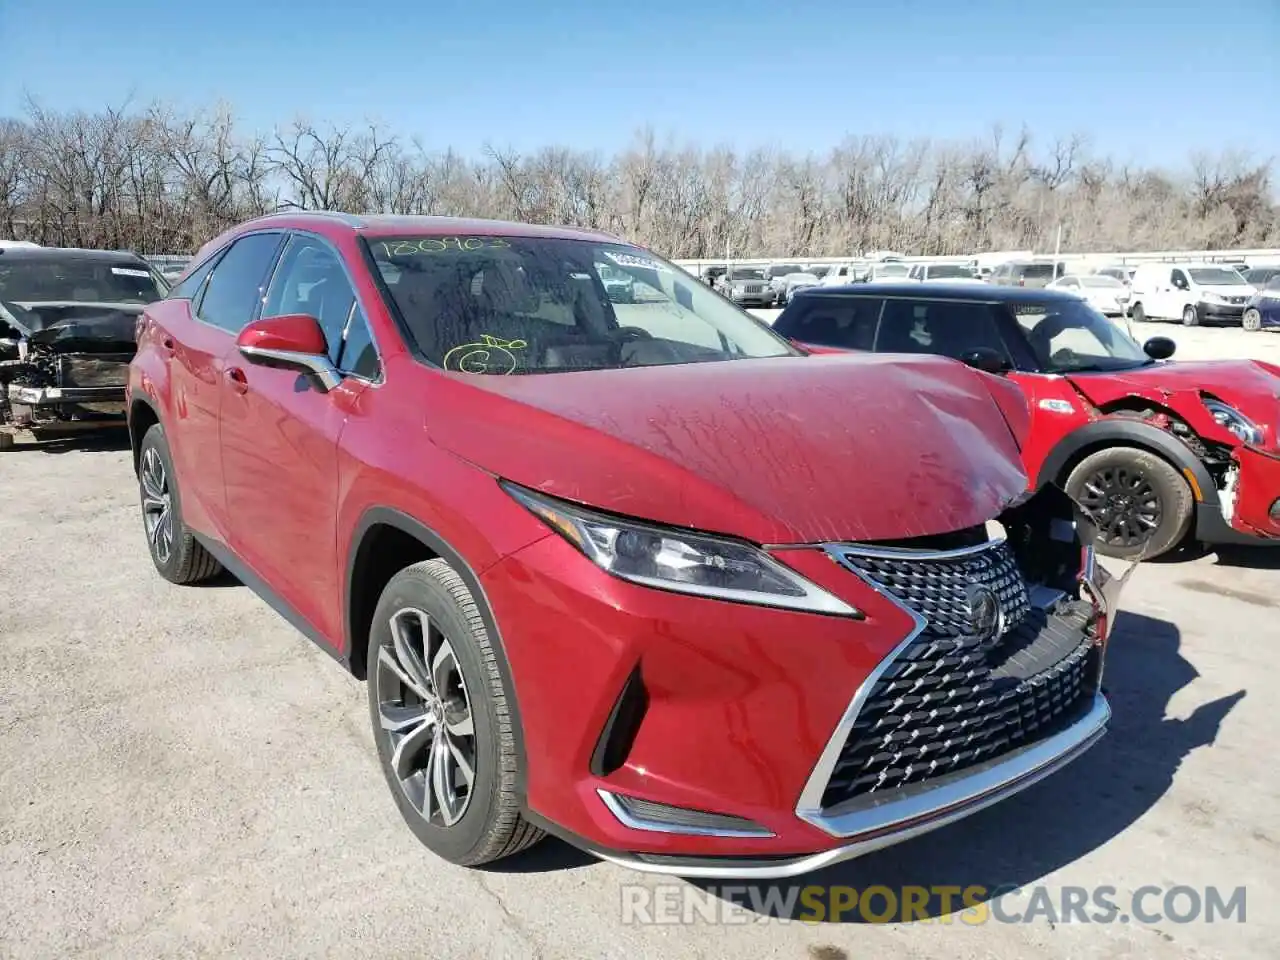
<point x="523" y="305"/>
<point x="949" y="271"/>
<point x="1215" y="277"/>
<point x="747" y="273"/>
<point x="1072" y="337"/>
<point x="892" y="270"/>
<point x="76" y="280"/>
<point x="1109" y="283"/>
<point x="783" y="269"/>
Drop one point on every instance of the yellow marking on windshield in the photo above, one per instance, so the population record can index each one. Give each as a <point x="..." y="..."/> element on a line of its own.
<point x="484" y="355"/>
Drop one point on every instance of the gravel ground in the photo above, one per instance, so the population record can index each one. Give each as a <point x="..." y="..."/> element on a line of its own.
<point x="184" y="775"/>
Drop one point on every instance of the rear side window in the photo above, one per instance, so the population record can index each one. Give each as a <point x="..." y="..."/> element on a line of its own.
<point x="948" y="328"/>
<point x="848" y="322"/>
<point x="236" y="287"/>
<point x="190" y="286"/>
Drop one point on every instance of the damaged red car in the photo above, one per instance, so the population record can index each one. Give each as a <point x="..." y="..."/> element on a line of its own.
<point x="625" y="567"/>
<point x="1158" y="453"/>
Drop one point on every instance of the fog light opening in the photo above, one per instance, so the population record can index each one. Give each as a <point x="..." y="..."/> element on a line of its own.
<point x="663" y="818"/>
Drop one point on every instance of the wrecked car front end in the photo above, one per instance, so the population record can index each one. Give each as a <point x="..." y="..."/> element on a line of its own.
<point x="63" y="365"/>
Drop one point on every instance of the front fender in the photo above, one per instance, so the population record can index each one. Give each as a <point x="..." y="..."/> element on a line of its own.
<point x="1124" y="431"/>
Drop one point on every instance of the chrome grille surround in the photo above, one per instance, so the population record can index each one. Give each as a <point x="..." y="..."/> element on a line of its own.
<point x="931" y="587"/>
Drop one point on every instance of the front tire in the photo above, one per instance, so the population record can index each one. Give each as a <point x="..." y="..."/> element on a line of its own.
<point x="1252" y="320"/>
<point x="446" y="736"/>
<point x="1190" y="318"/>
<point x="177" y="555"/>
<point x="1140" y="503"/>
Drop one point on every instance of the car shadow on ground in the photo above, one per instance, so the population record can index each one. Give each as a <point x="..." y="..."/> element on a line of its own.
<point x="1053" y="823"/>
<point x="1061" y="819"/>
<point x="107" y="439"/>
<point x="1265" y="557"/>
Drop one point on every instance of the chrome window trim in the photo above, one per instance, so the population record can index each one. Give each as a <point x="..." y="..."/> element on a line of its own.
<point x="929" y="800"/>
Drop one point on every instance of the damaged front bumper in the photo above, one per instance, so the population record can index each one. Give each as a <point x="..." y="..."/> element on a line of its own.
<point x="1255" y="507"/>
<point x="65" y="396"/>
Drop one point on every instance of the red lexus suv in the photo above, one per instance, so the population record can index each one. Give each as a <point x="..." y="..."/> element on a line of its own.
<point x="617" y="561"/>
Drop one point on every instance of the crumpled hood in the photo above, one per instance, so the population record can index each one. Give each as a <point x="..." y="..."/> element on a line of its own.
<point x="65" y="321"/>
<point x="784" y="450"/>
<point x="1247" y="385"/>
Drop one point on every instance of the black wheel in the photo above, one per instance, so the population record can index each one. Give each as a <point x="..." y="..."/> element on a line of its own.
<point x="1139" y="315"/>
<point x="1140" y="503"/>
<point x="1190" y="318"/>
<point x="441" y="719"/>
<point x="177" y="554"/>
<point x="1252" y="319"/>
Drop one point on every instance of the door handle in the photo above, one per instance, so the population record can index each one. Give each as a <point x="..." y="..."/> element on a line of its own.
<point x="239" y="382"/>
<point x="168" y="344"/>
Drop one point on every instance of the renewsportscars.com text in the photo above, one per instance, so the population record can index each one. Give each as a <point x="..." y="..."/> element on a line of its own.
<point x="972" y="905"/>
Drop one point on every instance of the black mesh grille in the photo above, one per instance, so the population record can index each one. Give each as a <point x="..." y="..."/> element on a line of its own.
<point x="951" y="699"/>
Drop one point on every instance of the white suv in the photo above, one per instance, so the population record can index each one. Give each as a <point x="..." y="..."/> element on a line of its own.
<point x="1191" y="292"/>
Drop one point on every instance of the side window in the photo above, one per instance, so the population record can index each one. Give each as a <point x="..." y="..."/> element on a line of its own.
<point x="358" y="354"/>
<point x="188" y="288"/>
<point x="848" y="322"/>
<point x="1179" y="280"/>
<point x="311" y="280"/>
<point x="235" y="288"/>
<point x="948" y="328"/>
<point x="1273" y="284"/>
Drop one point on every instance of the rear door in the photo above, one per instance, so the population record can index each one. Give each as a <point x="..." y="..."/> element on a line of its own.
<point x="192" y="331"/>
<point x="280" y="437"/>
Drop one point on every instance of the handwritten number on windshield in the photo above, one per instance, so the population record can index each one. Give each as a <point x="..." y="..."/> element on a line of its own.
<point x="409" y="248"/>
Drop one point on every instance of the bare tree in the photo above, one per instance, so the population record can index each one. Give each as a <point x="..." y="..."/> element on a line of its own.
<point x="163" y="181"/>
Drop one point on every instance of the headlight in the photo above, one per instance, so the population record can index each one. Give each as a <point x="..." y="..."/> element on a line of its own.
<point x="1233" y="420"/>
<point x="671" y="559"/>
<point x="1212" y="297"/>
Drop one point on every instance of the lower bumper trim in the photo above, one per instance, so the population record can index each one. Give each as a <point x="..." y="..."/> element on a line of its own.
<point x="901" y="818"/>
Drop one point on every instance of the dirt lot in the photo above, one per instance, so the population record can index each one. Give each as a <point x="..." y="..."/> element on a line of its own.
<point x="183" y="774"/>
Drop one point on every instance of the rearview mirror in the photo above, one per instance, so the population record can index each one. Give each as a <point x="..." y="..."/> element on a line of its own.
<point x="1159" y="348"/>
<point x="293" y="341"/>
<point x="985" y="359"/>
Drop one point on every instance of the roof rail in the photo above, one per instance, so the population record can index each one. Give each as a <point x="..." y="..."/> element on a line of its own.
<point x="350" y="219"/>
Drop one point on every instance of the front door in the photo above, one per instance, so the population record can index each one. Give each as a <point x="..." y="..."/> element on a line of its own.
<point x="280" y="437"/>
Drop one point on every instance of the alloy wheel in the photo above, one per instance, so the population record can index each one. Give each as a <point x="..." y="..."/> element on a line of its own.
<point x="425" y="711"/>
<point x="1124" y="505"/>
<point x="157" y="505"/>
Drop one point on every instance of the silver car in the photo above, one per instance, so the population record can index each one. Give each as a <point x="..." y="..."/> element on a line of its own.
<point x="747" y="287"/>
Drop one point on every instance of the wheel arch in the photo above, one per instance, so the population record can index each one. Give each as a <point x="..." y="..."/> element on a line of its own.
<point x="1121" y="431"/>
<point x="141" y="417"/>
<point x="386" y="540"/>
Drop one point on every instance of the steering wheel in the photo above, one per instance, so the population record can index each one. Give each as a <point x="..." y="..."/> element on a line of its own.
<point x="621" y="336"/>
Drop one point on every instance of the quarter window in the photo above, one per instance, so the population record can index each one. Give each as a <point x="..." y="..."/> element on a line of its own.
<point x="358" y="355"/>
<point x="235" y="288"/>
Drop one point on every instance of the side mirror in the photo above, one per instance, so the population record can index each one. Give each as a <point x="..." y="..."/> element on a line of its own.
<point x="1159" y="348"/>
<point x="986" y="359"/>
<point x="294" y="341"/>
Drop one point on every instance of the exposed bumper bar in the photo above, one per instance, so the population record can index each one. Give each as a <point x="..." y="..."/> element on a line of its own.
<point x="57" y="396"/>
<point x="903" y="817"/>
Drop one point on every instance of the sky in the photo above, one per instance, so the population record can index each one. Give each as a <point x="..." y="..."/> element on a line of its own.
<point x="1146" y="82"/>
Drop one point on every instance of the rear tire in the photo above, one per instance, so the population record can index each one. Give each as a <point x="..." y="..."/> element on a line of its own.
<point x="1190" y="318"/>
<point x="428" y="635"/>
<point x="177" y="555"/>
<point x="1252" y="320"/>
<point x="1139" y="315"/>
<point x="1140" y="503"/>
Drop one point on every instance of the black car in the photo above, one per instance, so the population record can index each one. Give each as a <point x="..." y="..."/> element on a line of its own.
<point x="67" y="320"/>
